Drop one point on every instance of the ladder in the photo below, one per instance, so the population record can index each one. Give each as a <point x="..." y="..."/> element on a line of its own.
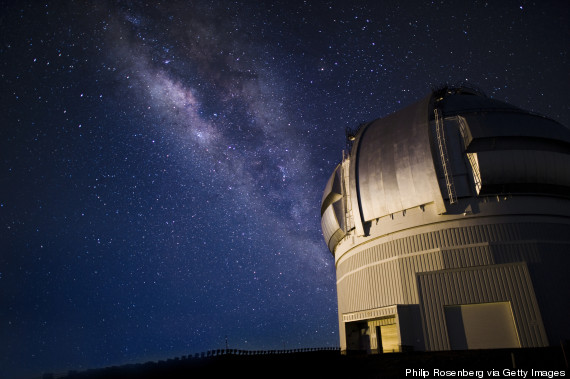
<point x="444" y="157"/>
<point x="345" y="186"/>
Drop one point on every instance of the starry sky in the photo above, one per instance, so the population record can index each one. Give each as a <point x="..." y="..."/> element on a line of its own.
<point x="162" y="164"/>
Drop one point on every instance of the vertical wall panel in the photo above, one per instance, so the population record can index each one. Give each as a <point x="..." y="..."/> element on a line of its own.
<point x="474" y="285"/>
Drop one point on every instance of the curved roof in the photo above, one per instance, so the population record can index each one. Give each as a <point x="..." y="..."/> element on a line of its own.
<point x="484" y="146"/>
<point x="493" y="118"/>
<point x="391" y="167"/>
<point x="332" y="211"/>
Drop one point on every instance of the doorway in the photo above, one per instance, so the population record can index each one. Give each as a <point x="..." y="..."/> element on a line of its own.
<point x="379" y="335"/>
<point x="481" y="326"/>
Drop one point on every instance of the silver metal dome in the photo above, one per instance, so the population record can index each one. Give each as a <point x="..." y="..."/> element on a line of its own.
<point x="449" y="222"/>
<point x="454" y="143"/>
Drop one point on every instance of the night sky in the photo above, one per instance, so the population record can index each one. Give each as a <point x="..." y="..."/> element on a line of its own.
<point x="162" y="164"/>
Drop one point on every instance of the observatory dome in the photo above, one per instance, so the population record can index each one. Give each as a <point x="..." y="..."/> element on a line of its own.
<point x="452" y="144"/>
<point x="457" y="200"/>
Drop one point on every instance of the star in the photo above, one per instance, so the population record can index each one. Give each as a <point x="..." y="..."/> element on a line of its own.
<point x="163" y="164"/>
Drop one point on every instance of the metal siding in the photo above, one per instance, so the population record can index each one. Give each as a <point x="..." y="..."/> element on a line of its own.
<point x="432" y="238"/>
<point x="394" y="281"/>
<point x="376" y="291"/>
<point x="508" y="282"/>
<point x="385" y="285"/>
<point x="419" y="243"/>
<point x="447" y="237"/>
<point x="527" y="232"/>
<point x="397" y="284"/>
<point x="440" y="239"/>
<point x="414" y="243"/>
<point x="376" y="287"/>
<point x="368" y="280"/>
<point x="461" y="235"/>
<point x="353" y="296"/>
<point x="403" y="269"/>
<point x="531" y="307"/>
<point x="477" y="233"/>
<point x="358" y="283"/>
<point x="407" y="282"/>
<point x="442" y="288"/>
<point x="368" y="283"/>
<point x="472" y="235"/>
<point x="455" y="237"/>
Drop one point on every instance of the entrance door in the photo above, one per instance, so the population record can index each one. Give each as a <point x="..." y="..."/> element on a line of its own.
<point x="390" y="338"/>
<point x="386" y="335"/>
<point x="357" y="336"/>
<point x="481" y="326"/>
<point x="379" y="347"/>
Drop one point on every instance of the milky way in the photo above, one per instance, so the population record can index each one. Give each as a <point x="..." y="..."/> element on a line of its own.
<point x="162" y="165"/>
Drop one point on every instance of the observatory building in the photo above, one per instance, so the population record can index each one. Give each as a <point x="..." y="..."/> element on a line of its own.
<point x="449" y="223"/>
